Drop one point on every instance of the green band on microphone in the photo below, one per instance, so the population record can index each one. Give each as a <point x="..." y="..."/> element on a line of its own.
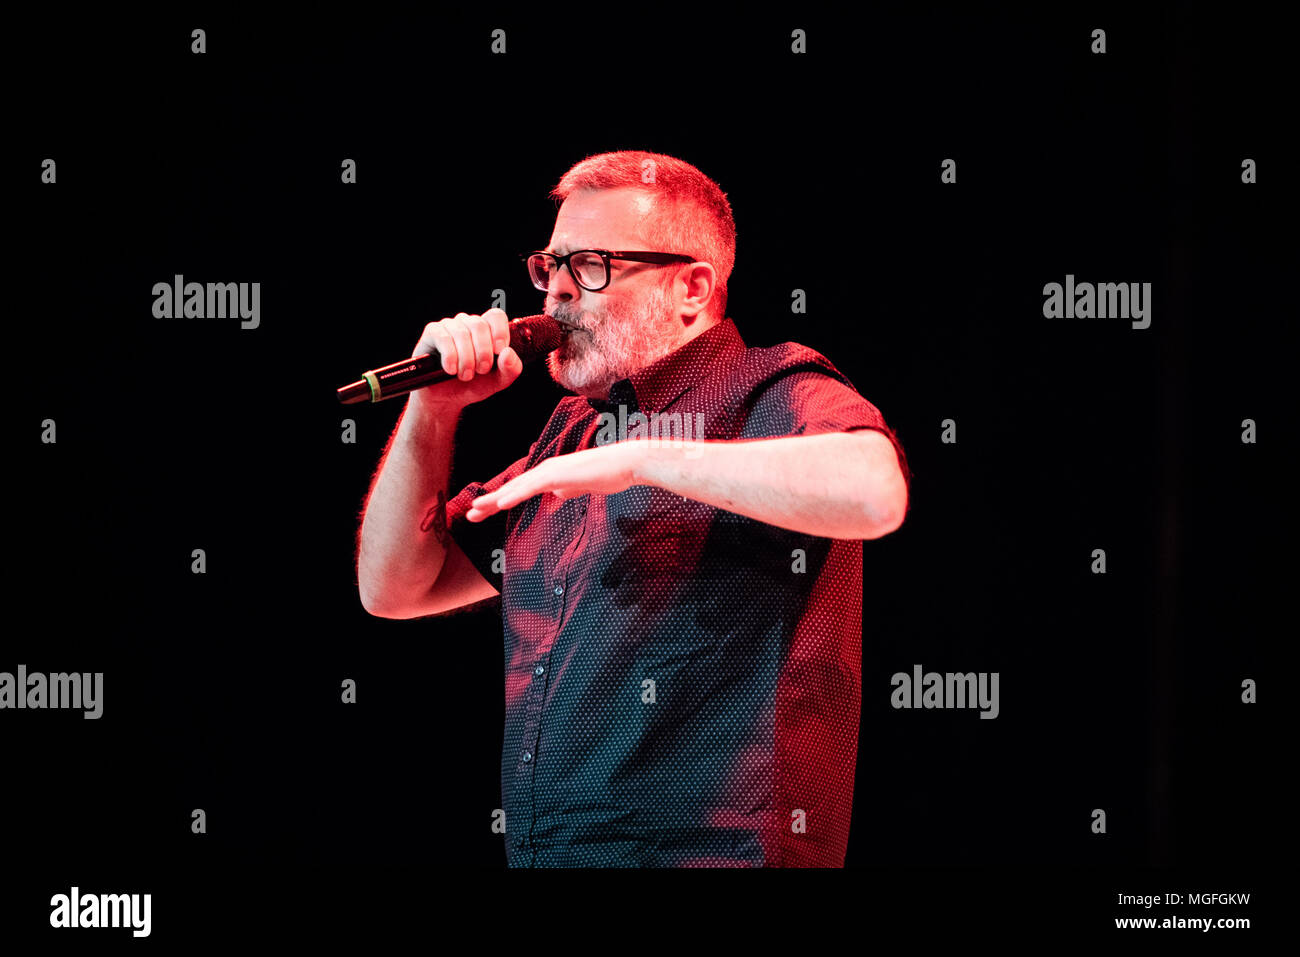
<point x="374" y="385"/>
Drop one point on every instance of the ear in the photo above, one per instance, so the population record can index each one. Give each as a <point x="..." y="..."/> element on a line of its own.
<point x="701" y="280"/>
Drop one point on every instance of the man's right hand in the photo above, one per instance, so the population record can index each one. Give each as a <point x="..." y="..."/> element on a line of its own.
<point x="467" y="345"/>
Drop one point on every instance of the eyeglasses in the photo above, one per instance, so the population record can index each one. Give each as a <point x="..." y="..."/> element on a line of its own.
<point x="589" y="267"/>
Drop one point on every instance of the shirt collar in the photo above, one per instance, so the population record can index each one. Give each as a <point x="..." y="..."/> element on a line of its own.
<point x="656" y="386"/>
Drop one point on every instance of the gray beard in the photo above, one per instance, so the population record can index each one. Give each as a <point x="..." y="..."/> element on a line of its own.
<point x="613" y="344"/>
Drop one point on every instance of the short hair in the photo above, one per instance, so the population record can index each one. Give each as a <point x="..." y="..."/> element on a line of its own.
<point x="691" y="214"/>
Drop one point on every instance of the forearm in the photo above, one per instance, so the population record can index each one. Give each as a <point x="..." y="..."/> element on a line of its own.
<point x="403" y="540"/>
<point x="838" y="485"/>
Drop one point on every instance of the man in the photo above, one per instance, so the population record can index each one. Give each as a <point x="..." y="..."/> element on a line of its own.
<point x="683" y="619"/>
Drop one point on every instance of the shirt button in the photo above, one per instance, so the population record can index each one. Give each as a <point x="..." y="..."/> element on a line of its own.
<point x="528" y="756"/>
<point x="538" y="670"/>
<point x="559" y="589"/>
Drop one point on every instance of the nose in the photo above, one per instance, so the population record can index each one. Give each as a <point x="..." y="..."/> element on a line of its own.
<point x="561" y="287"/>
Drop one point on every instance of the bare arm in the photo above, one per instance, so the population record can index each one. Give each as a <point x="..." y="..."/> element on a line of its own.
<point x="837" y="485"/>
<point x="846" y="485"/>
<point x="407" y="563"/>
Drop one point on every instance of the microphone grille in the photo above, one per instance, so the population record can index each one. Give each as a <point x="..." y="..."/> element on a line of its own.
<point x="535" y="336"/>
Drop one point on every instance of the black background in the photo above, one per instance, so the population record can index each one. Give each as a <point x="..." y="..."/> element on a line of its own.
<point x="222" y="691"/>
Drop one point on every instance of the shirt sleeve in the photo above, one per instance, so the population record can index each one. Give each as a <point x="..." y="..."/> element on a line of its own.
<point x="479" y="539"/>
<point x="811" y="402"/>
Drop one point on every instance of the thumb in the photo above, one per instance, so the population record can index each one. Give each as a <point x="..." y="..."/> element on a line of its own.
<point x="509" y="366"/>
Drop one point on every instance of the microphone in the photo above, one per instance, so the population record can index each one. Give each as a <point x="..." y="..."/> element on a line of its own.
<point x="530" y="336"/>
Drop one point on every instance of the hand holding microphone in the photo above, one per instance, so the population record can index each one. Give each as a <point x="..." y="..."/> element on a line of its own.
<point x="454" y="359"/>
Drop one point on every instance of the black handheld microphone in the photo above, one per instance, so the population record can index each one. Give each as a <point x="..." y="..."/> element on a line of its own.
<point x="530" y="336"/>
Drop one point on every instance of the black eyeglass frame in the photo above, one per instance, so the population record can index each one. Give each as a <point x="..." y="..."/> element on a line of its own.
<point x="661" y="259"/>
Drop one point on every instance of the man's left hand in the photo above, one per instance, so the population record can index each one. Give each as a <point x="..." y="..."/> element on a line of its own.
<point x="606" y="470"/>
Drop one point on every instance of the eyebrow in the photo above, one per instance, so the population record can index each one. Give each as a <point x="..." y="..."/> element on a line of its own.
<point x="558" y="252"/>
<point x="565" y="252"/>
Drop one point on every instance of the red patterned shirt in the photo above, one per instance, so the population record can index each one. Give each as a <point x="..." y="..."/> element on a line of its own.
<point x="683" y="683"/>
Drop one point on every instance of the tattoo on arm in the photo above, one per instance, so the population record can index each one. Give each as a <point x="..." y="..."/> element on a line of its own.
<point x="436" y="518"/>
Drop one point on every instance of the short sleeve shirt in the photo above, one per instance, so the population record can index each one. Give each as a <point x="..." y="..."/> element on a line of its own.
<point x="683" y="683"/>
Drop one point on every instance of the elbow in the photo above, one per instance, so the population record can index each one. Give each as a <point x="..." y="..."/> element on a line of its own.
<point x="389" y="611"/>
<point x="393" y="603"/>
<point x="882" y="488"/>
<point x="389" y="592"/>
<point x="376" y="600"/>
<point x="878" y="526"/>
<point x="885" y="513"/>
<point x="891" y="522"/>
<point x="372" y="603"/>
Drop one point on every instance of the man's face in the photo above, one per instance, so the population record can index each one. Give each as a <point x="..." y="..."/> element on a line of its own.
<point x="629" y="323"/>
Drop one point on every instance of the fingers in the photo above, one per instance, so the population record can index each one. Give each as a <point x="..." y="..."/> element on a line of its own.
<point x="466" y="344"/>
<point x="509" y="366"/>
<point x="481" y="356"/>
<point x="482" y="507"/>
<point x="437" y="338"/>
<point x="509" y="495"/>
<point x="500" y="324"/>
<point x="464" y="341"/>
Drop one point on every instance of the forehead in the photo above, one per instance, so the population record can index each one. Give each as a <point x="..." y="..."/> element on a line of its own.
<point x="601" y="219"/>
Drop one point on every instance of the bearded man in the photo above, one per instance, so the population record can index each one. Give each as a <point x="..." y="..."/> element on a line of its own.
<point x="682" y="619"/>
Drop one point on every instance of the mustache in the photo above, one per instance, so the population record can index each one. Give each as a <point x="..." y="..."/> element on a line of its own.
<point x="569" y="323"/>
